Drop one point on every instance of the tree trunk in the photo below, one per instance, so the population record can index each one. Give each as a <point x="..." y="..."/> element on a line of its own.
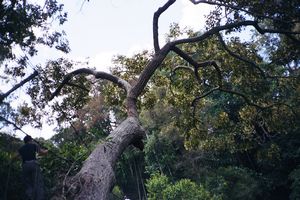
<point x="96" y="178"/>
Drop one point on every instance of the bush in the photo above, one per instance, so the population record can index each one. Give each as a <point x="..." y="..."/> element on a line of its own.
<point x="160" y="188"/>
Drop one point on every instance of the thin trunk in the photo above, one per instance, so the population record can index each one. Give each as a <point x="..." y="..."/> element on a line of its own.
<point x="137" y="179"/>
<point x="142" y="183"/>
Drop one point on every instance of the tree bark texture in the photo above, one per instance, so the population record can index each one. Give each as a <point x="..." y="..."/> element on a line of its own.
<point x="96" y="178"/>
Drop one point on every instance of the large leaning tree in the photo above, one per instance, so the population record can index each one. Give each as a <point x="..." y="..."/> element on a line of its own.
<point x="273" y="22"/>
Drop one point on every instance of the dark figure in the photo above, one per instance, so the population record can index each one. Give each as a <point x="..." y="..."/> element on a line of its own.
<point x="32" y="176"/>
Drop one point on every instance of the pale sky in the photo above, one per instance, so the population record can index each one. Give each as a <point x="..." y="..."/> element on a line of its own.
<point x="98" y="30"/>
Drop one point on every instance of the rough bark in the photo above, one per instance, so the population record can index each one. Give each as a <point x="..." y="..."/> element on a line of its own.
<point x="96" y="178"/>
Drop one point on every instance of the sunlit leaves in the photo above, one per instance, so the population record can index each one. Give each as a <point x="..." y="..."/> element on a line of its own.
<point x="160" y="187"/>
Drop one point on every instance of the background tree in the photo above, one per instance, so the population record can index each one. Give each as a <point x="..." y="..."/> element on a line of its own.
<point x="24" y="27"/>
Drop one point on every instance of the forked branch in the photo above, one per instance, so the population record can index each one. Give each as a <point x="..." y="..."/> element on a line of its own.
<point x="197" y="65"/>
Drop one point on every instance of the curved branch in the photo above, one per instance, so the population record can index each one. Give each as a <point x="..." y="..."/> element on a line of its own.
<point x="197" y="99"/>
<point x="239" y="9"/>
<point x="196" y="65"/>
<point x="29" y="78"/>
<point x="97" y="74"/>
<point x="155" y="23"/>
<point x="217" y="29"/>
<point x="247" y="100"/>
<point x="183" y="67"/>
<point x="240" y="57"/>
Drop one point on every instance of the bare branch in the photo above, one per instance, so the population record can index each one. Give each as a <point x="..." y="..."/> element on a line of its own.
<point x="239" y="9"/>
<point x="197" y="99"/>
<point x="29" y="78"/>
<point x="155" y="23"/>
<point x="186" y="68"/>
<point x="217" y="29"/>
<point x="12" y="123"/>
<point x="97" y="74"/>
<point x="183" y="67"/>
<point x="247" y="100"/>
<point x="186" y="57"/>
<point x="233" y="54"/>
<point x="196" y="65"/>
<point x="244" y="96"/>
<point x="240" y="57"/>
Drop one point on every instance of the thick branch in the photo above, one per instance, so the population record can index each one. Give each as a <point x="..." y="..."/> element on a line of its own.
<point x="96" y="178"/>
<point x="97" y="74"/>
<point x="149" y="71"/>
<point x="185" y="56"/>
<point x="155" y="23"/>
<point x="160" y="56"/>
<point x="29" y="78"/>
<point x="217" y="29"/>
